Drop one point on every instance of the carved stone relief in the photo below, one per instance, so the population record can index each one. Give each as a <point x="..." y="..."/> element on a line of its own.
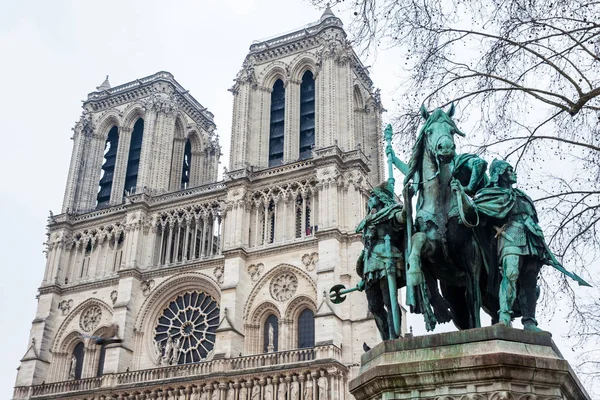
<point x="65" y="306"/>
<point x="147" y="286"/>
<point x="90" y="318"/>
<point x="284" y="286"/>
<point x="255" y="270"/>
<point x="219" y="273"/>
<point x="310" y="261"/>
<point x="113" y="296"/>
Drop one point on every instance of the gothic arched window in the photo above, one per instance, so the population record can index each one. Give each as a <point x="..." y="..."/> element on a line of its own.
<point x="78" y="353"/>
<point x="185" y="332"/>
<point x="133" y="161"/>
<point x="271" y="220"/>
<point x="271" y="334"/>
<point x="108" y="168"/>
<point x="116" y="244"/>
<point x="306" y="329"/>
<point x="298" y="215"/>
<point x="302" y="217"/>
<point x="307" y="115"/>
<point x="187" y="162"/>
<point x="276" y="130"/>
<point x="101" y="358"/>
<point x="307" y="212"/>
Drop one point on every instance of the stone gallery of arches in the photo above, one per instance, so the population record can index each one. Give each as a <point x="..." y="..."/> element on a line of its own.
<point x="217" y="286"/>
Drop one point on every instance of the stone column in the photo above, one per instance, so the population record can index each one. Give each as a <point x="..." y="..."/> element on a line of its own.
<point x="75" y="168"/>
<point x="91" y="171"/>
<point x="118" y="184"/>
<point x="292" y="121"/>
<point x="177" y="164"/>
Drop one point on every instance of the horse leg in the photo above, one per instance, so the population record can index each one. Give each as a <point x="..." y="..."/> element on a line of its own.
<point x="441" y="308"/>
<point x="473" y="261"/>
<point x="414" y="276"/>
<point x="457" y="299"/>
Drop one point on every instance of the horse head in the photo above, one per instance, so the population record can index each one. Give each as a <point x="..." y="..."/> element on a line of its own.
<point x="439" y="131"/>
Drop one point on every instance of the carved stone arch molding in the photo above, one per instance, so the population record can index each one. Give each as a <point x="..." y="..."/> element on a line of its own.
<point x="275" y="70"/>
<point x="160" y="297"/>
<point x="67" y="344"/>
<point x="262" y="311"/>
<point x="61" y="356"/>
<point x="179" y="131"/>
<point x="292" y="312"/>
<point x="197" y="139"/>
<point x="299" y="304"/>
<point x="132" y="113"/>
<point x="72" y="321"/>
<point x="266" y="280"/>
<point x="109" y="119"/>
<point x="302" y="63"/>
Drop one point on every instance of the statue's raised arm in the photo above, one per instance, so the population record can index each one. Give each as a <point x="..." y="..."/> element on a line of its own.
<point x="389" y="151"/>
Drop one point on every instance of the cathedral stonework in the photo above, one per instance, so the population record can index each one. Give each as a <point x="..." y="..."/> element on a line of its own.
<point x="218" y="287"/>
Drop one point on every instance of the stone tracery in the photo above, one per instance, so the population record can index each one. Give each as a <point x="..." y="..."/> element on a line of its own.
<point x="185" y="332"/>
<point x="284" y="286"/>
<point x="188" y="233"/>
<point x="90" y="318"/>
<point x="282" y="213"/>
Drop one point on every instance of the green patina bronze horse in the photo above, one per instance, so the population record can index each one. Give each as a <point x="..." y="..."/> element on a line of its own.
<point x="443" y="247"/>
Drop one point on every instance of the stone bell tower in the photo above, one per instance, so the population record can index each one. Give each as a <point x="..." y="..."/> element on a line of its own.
<point x="306" y="146"/>
<point x="143" y="130"/>
<point x="302" y="92"/>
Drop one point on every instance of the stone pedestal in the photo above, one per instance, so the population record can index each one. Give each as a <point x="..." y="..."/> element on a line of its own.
<point x="493" y="363"/>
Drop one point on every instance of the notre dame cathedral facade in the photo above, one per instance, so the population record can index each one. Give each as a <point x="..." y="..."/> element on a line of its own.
<point x="219" y="287"/>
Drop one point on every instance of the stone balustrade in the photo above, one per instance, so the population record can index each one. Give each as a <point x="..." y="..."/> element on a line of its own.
<point x="301" y="372"/>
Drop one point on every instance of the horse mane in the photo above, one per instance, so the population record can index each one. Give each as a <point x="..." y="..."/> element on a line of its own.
<point x="416" y="157"/>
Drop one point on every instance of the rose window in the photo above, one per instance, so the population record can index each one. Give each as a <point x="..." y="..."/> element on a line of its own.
<point x="90" y="318"/>
<point x="190" y="321"/>
<point x="284" y="286"/>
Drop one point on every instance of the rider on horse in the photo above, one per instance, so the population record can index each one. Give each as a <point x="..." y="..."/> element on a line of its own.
<point x="385" y="217"/>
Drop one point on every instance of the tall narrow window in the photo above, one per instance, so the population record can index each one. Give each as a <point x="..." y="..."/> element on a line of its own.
<point x="307" y="115"/>
<point x="306" y="329"/>
<point x="298" y="214"/>
<point x="271" y="221"/>
<point x="277" y="124"/>
<point x="133" y="161"/>
<point x="307" y="225"/>
<point x="77" y="364"/>
<point x="100" y="369"/>
<point x="108" y="168"/>
<point x="85" y="265"/>
<point x="271" y="333"/>
<point x="187" y="162"/>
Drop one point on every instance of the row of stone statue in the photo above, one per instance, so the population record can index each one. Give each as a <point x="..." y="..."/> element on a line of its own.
<point x="168" y="354"/>
<point x="280" y="390"/>
<point x="474" y="242"/>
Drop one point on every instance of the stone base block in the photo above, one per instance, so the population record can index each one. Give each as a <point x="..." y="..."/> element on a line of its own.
<point x="493" y="363"/>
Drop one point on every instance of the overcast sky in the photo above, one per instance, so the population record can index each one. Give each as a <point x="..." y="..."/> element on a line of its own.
<point x="55" y="52"/>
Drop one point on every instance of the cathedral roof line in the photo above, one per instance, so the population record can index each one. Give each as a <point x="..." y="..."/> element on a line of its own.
<point x="327" y="20"/>
<point x="106" y="96"/>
